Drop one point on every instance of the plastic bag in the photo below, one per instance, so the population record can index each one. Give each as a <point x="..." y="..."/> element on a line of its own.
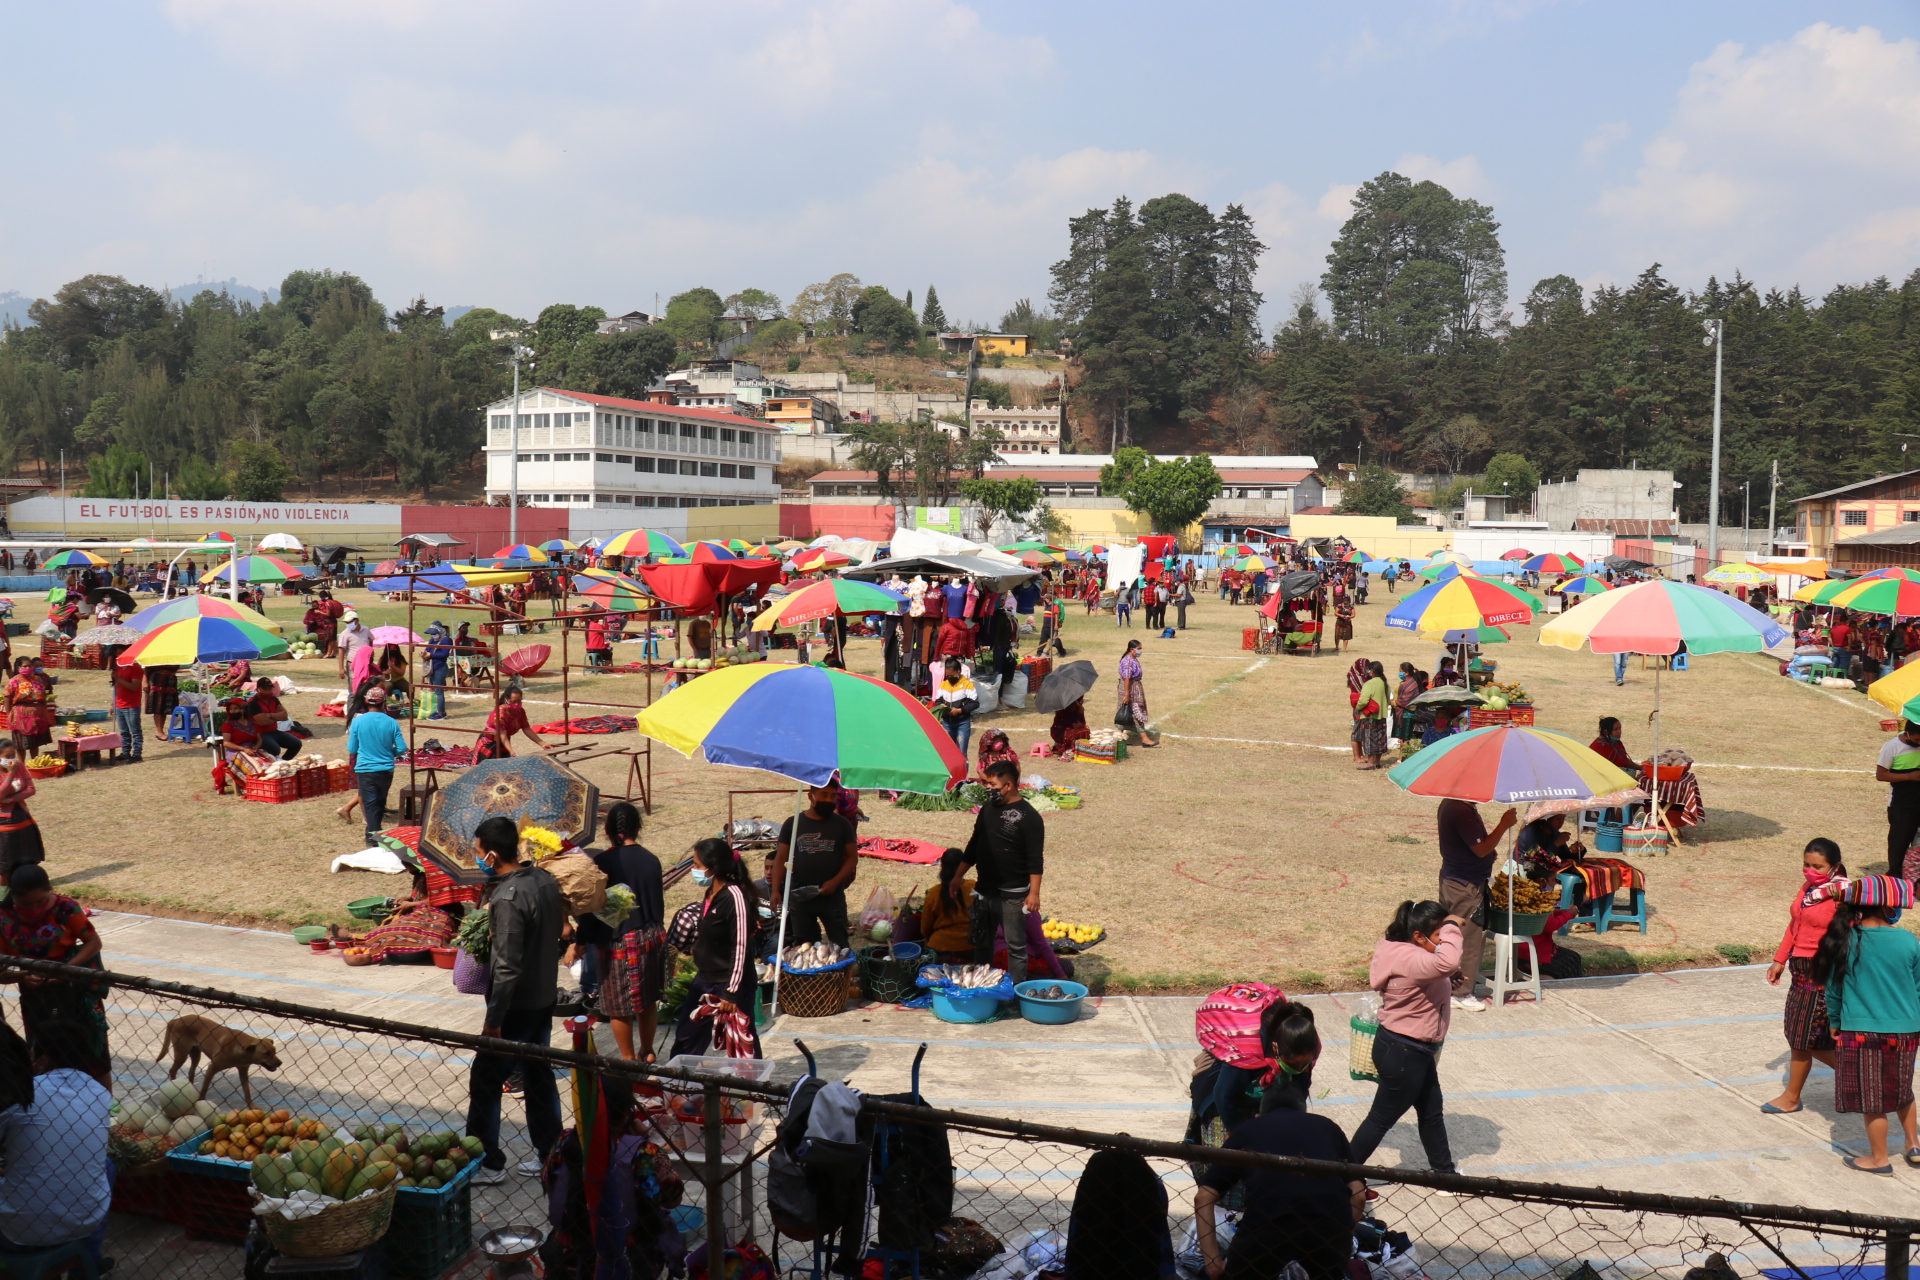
<point x="988" y="694"/>
<point x="1014" y="692"/>
<point x="881" y="905"/>
<point x="1363" y="1023"/>
<point x="1189" y="1263"/>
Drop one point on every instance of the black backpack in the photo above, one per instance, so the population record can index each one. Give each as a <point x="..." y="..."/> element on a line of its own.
<point x="912" y="1178"/>
<point x="817" y="1188"/>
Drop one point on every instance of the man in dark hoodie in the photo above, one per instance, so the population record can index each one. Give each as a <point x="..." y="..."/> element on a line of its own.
<point x="526" y="915"/>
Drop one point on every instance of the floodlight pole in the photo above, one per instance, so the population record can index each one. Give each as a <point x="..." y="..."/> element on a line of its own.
<point x="1716" y="337"/>
<point x="513" y="456"/>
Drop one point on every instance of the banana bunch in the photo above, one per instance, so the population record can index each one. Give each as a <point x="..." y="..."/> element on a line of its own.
<point x="45" y="760"/>
<point x="1529" y="897"/>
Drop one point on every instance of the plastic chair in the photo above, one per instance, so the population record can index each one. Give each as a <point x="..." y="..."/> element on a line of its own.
<point x="1507" y="950"/>
<point x="186" y="725"/>
<point x="60" y="1260"/>
<point x="1593" y="913"/>
<point x="1635" y="913"/>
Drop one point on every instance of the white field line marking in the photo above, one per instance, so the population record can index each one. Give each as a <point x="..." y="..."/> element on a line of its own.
<point x="1774" y="671"/>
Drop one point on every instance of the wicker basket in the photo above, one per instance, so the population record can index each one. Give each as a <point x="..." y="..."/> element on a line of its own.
<point x="343" y="1228"/>
<point x="815" y="995"/>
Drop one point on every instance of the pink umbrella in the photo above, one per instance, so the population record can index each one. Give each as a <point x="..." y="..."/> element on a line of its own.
<point x="1518" y="553"/>
<point x="396" y="635"/>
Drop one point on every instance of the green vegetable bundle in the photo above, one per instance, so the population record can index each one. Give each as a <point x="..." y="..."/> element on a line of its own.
<point x="475" y="935"/>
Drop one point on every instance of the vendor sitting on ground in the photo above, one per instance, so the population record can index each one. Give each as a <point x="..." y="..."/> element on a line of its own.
<point x="945" y="917"/>
<point x="1609" y="747"/>
<point x="414" y="929"/>
<point x="1069" y="727"/>
<point x="994" y="746"/>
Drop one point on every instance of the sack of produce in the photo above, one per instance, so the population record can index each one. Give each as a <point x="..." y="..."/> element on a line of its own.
<point x="1363" y="1023"/>
<point x="582" y="884"/>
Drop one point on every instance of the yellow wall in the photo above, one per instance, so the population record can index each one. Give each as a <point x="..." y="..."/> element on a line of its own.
<point x="752" y="524"/>
<point x="1091" y="526"/>
<point x="994" y="344"/>
<point x="1378" y="536"/>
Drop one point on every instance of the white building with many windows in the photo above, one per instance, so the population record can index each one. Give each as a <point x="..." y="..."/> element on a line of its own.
<point x="576" y="449"/>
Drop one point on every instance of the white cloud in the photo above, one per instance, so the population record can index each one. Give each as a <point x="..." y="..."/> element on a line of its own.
<point x="1794" y="160"/>
<point x="1336" y="202"/>
<point x="1463" y="177"/>
<point x="1603" y="140"/>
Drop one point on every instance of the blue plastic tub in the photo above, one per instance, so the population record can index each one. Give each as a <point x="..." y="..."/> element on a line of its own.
<point x="966" y="1008"/>
<point x="1053" y="1012"/>
<point x="906" y="951"/>
<point x="1610" y="837"/>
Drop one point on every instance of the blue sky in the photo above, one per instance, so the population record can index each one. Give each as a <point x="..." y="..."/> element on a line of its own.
<point x="515" y="155"/>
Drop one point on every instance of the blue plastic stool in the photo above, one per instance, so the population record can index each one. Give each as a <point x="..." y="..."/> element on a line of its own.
<point x="185" y="725"/>
<point x="57" y="1261"/>
<point x="1594" y="913"/>
<point x="1612" y="914"/>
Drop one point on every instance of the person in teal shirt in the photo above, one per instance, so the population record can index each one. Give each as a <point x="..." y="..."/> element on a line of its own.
<point x="1871" y="971"/>
<point x="374" y="745"/>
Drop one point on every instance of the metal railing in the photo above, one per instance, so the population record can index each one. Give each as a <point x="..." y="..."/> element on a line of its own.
<point x="1017" y="1187"/>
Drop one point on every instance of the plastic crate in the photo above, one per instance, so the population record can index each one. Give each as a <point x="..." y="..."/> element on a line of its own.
<point x="312" y="782"/>
<point x="145" y="1192"/>
<point x="1249" y="637"/>
<point x="271" y="790"/>
<point x="339" y="778"/>
<point x="431" y="1232"/>
<point x="1520" y="715"/>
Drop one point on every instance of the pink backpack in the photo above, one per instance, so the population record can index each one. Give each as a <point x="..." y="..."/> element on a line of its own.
<point x="1228" y="1024"/>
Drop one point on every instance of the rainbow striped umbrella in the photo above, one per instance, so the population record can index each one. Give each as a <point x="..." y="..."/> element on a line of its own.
<point x="641" y="542"/>
<point x="1508" y="764"/>
<point x="219" y="535"/>
<point x="808" y="723"/>
<point x="1655" y="617"/>
<point x="1897" y="690"/>
<point x="558" y="545"/>
<point x="73" y="560"/>
<point x="254" y="569"/>
<point x="1252" y="564"/>
<point x="1739" y="574"/>
<point x="1465" y="600"/>
<point x="762" y="552"/>
<point x="615" y="591"/>
<point x="1477" y="635"/>
<point x="1436" y="571"/>
<point x="825" y="599"/>
<point x="183" y="607"/>
<point x="520" y="551"/>
<point x="204" y="639"/>
<point x="818" y="559"/>
<point x="1554" y="562"/>
<point x="1897" y="596"/>
<point x="1585" y="584"/>
<point x="707" y="551"/>
<point x="1824" y="592"/>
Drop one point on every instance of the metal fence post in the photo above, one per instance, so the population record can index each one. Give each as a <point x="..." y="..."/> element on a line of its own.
<point x="715" y="1181"/>
<point x="1898" y="1243"/>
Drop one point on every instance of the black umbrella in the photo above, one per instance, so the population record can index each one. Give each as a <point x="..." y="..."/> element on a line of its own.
<point x="1066" y="686"/>
<point x="121" y="600"/>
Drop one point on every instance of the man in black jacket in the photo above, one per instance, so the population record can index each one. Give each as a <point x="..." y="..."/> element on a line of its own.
<point x="525" y="915"/>
<point x="1009" y="847"/>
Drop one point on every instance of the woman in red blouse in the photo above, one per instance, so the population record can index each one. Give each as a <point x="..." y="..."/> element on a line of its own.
<point x="1609" y="746"/>
<point x="507" y="718"/>
<point x="1809" y="1036"/>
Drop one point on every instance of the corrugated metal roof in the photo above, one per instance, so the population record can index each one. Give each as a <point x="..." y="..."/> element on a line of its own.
<point x="1863" y="484"/>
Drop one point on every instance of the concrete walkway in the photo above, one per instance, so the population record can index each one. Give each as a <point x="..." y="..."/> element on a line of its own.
<point x="1651" y="1082"/>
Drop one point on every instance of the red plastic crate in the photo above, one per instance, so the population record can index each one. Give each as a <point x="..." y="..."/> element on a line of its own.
<point x="271" y="790"/>
<point x="339" y="778"/>
<point x="1249" y="638"/>
<point x="146" y="1193"/>
<point x="312" y="782"/>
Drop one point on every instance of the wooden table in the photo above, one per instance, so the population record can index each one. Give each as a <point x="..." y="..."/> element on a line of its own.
<point x="101" y="746"/>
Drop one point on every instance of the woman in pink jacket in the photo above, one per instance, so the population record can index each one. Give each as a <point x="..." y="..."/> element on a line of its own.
<point x="1413" y="972"/>
<point x="1809" y="1036"/>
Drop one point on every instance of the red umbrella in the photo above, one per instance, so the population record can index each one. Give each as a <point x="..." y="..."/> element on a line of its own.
<point x="525" y="662"/>
<point x="1518" y="553"/>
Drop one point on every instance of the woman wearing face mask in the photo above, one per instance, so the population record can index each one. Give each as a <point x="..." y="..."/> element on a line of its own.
<point x="1413" y="971"/>
<point x="1609" y="747"/>
<point x="718" y="930"/>
<point x="1809" y="1035"/>
<point x="19" y="834"/>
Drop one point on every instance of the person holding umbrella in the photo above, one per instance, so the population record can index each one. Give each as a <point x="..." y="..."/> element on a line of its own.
<point x="1064" y="694"/>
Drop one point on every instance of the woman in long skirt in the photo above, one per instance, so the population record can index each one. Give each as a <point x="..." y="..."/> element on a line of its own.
<point x="19" y="834"/>
<point x="1871" y="972"/>
<point x="1133" y="695"/>
<point x="1809" y="1035"/>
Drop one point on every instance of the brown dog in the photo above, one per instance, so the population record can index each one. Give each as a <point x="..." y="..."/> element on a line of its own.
<point x="192" y="1035"/>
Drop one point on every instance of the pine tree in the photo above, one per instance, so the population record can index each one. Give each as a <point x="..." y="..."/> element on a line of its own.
<point x="933" y="319"/>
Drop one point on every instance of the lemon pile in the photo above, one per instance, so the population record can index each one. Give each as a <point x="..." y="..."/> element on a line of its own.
<point x="1056" y="930"/>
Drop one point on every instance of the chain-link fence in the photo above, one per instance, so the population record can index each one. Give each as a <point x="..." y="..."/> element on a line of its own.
<point x="923" y="1191"/>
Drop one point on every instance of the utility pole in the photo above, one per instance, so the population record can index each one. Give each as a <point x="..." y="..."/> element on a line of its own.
<point x="1717" y="339"/>
<point x="513" y="456"/>
<point x="63" y="493"/>
<point x="1772" y="494"/>
<point x="1746" y="515"/>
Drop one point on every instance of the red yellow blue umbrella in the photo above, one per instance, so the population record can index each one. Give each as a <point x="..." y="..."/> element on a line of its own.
<point x="825" y="599"/>
<point x="1463" y="601"/>
<point x="1509" y="764"/>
